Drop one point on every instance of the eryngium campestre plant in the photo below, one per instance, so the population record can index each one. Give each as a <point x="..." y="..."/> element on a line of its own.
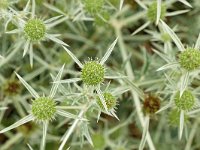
<point x="129" y="75"/>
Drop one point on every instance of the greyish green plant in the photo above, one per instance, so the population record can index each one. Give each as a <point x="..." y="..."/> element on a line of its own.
<point x="101" y="74"/>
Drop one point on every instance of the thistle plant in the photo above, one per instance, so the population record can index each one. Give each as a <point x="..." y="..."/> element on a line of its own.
<point x="130" y="78"/>
<point x="35" y="30"/>
<point x="43" y="109"/>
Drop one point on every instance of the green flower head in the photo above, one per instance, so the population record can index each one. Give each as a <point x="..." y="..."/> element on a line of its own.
<point x="44" y="109"/>
<point x="110" y="100"/>
<point x="152" y="12"/>
<point x="189" y="59"/>
<point x="93" y="73"/>
<point x="35" y="29"/>
<point x="186" y="101"/>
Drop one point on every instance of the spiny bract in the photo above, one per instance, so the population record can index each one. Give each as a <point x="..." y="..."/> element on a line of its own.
<point x="186" y="101"/>
<point x="93" y="73"/>
<point x="44" y="108"/>
<point x="152" y="12"/>
<point x="189" y="59"/>
<point x="109" y="99"/>
<point x="35" y="29"/>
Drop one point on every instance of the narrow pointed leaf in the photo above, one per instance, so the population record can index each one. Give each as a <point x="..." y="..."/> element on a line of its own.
<point x="141" y="28"/>
<point x="158" y="11"/>
<point x="185" y="2"/>
<point x="101" y="97"/>
<point x="174" y="37"/>
<point x="26" y="47"/>
<point x="45" y="126"/>
<point x="171" y="65"/>
<point x="144" y="134"/>
<point x="184" y="82"/>
<point x="181" y="125"/>
<point x="18" y="123"/>
<point x="74" y="57"/>
<point x="53" y="38"/>
<point x="52" y="19"/>
<point x="108" y="52"/>
<point x="73" y="80"/>
<point x="55" y="85"/>
<point x="197" y="44"/>
<point x="28" y="87"/>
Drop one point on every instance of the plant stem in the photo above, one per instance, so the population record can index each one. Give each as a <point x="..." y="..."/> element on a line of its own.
<point x="130" y="75"/>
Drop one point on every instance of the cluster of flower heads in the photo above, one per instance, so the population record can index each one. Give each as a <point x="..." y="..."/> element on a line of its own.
<point x="45" y="109"/>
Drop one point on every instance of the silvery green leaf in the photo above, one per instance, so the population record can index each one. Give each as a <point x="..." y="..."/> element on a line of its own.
<point x="144" y="134"/>
<point x="86" y="133"/>
<point x="108" y="52"/>
<point x="33" y="9"/>
<point x="184" y="82"/>
<point x="163" y="56"/>
<point x="141" y="4"/>
<point x="185" y="2"/>
<point x="73" y="80"/>
<point x="52" y="19"/>
<point x="171" y="65"/>
<point x="26" y="47"/>
<point x="29" y="146"/>
<point x="69" y="115"/>
<point x="53" y="38"/>
<point x="181" y="125"/>
<point x="28" y="87"/>
<point x="31" y="55"/>
<point x="121" y="4"/>
<point x="70" y="130"/>
<point x="158" y="11"/>
<point x="43" y="143"/>
<point x="174" y="37"/>
<point x="141" y="28"/>
<point x="101" y="97"/>
<point x="18" y="123"/>
<point x="74" y="57"/>
<point x="178" y="12"/>
<point x="164" y="108"/>
<point x="113" y="114"/>
<point x="26" y="8"/>
<point x="197" y="44"/>
<point x="55" y="85"/>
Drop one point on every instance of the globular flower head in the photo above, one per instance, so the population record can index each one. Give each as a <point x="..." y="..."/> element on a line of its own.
<point x="152" y="12"/>
<point x="92" y="73"/>
<point x="174" y="117"/>
<point x="35" y="29"/>
<point x="44" y="108"/>
<point x="189" y="59"/>
<point x="110" y="101"/>
<point x="93" y="6"/>
<point x="151" y="104"/>
<point x="186" y="101"/>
